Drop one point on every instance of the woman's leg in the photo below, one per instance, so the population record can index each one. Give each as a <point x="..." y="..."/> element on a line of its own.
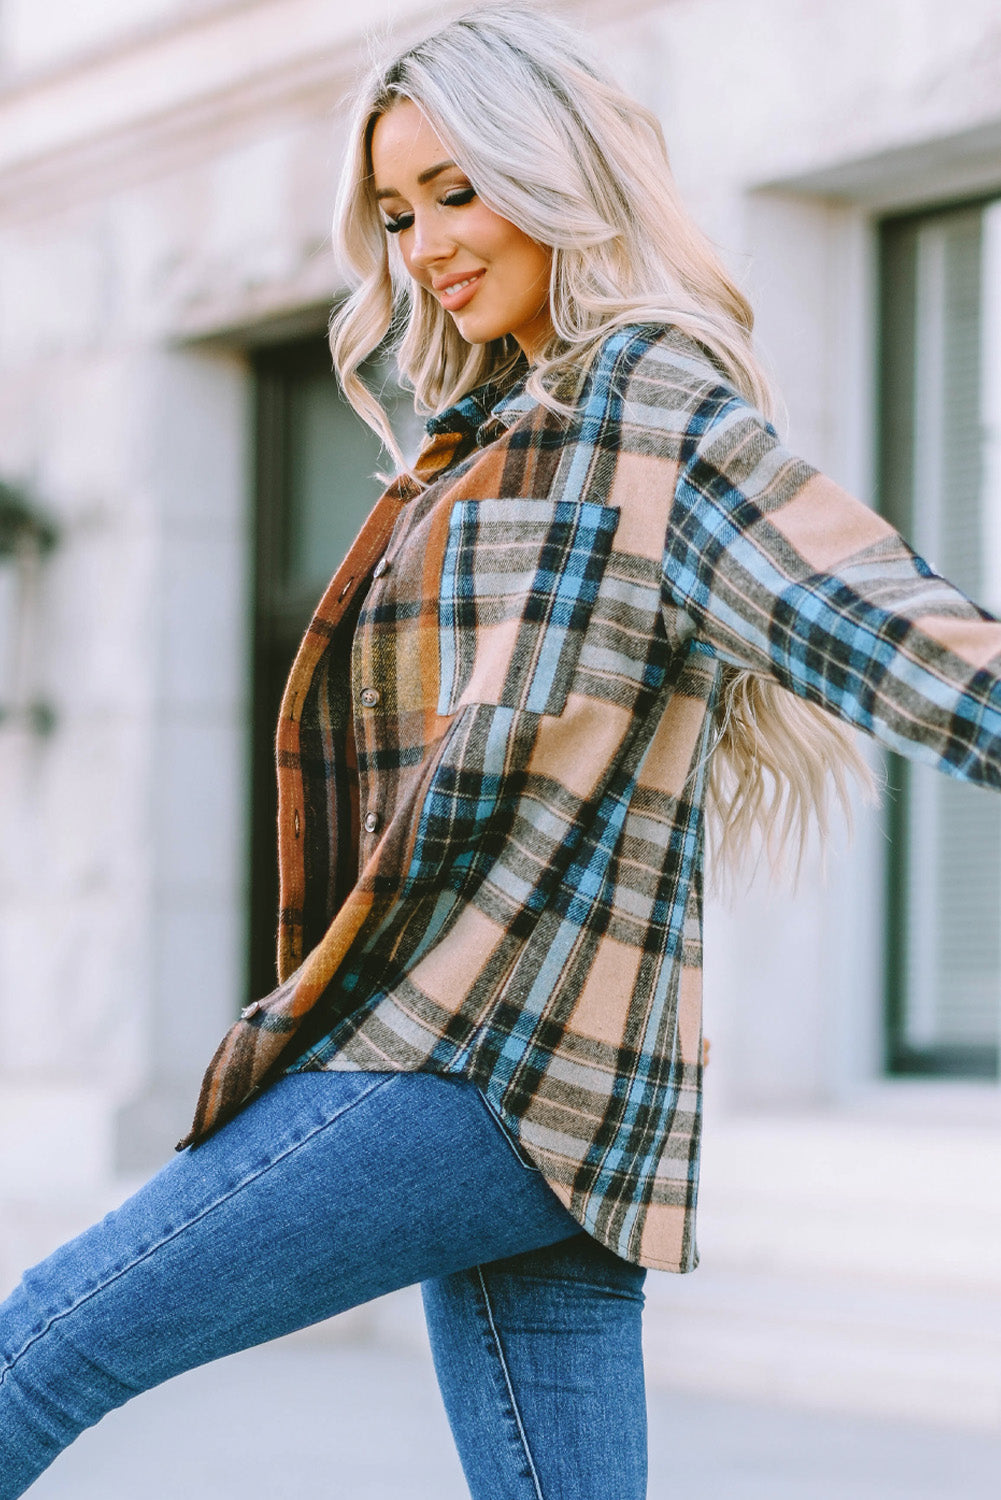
<point x="540" y="1364"/>
<point x="330" y="1189"/>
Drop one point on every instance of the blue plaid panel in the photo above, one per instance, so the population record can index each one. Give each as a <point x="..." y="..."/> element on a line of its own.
<point x="534" y="566"/>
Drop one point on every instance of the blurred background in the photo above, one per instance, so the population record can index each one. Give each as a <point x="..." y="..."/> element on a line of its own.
<point x="179" y="477"/>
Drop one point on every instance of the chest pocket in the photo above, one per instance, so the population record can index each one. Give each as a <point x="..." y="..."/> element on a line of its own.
<point x="518" y="584"/>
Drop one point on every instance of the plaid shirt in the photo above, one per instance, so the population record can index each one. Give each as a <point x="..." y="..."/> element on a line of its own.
<point x="492" y="758"/>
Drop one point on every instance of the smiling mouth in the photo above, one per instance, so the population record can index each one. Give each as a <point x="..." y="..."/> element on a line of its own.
<point x="458" y="294"/>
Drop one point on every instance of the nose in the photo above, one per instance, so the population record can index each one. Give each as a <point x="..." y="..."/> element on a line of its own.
<point x="429" y="242"/>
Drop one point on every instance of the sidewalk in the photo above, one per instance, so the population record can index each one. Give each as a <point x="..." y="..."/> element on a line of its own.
<point x="308" y="1420"/>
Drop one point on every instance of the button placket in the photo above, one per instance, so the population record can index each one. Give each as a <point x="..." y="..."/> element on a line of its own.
<point x="367" y="732"/>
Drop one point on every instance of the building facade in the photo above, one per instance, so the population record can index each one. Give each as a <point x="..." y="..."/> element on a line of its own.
<point x="167" y="416"/>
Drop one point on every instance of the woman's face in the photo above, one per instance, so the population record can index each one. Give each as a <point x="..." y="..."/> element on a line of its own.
<point x="490" y="276"/>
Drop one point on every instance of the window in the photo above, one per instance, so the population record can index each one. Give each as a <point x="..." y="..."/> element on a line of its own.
<point x="315" y="463"/>
<point x="940" y="483"/>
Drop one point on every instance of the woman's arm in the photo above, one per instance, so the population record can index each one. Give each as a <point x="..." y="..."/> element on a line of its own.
<point x="785" y="573"/>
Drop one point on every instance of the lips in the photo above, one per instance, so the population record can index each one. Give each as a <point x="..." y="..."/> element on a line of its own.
<point x="455" y="291"/>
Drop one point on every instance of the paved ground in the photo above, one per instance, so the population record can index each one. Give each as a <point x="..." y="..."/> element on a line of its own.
<point x="339" y="1421"/>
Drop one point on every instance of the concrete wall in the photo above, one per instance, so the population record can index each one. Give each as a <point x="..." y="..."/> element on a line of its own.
<point x="166" y="178"/>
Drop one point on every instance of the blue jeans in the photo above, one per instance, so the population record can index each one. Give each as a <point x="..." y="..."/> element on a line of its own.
<point x="328" y="1190"/>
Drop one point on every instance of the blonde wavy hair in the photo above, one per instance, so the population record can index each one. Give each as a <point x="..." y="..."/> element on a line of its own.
<point x="585" y="172"/>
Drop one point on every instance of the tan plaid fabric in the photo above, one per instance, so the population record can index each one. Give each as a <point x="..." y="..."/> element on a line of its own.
<point x="491" y="856"/>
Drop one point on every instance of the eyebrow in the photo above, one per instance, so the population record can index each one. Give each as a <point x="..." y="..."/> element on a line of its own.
<point x="427" y="175"/>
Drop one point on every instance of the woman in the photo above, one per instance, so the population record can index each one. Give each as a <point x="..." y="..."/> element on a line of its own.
<point x="605" y="594"/>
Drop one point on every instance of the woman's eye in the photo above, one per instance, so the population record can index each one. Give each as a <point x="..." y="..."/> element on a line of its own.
<point x="458" y="197"/>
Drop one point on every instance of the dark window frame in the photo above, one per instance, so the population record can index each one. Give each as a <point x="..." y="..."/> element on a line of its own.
<point x="281" y="608"/>
<point x="896" y="390"/>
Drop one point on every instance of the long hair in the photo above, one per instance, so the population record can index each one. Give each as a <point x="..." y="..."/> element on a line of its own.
<point x="559" y="150"/>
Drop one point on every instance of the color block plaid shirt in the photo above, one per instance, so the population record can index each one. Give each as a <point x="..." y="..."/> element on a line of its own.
<point x="492" y="758"/>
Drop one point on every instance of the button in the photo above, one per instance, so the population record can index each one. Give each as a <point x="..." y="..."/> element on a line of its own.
<point x="369" y="697"/>
<point x="250" y="1010"/>
<point x="371" y="822"/>
<point x="382" y="566"/>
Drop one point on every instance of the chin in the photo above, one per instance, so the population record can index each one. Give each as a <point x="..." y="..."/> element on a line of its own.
<point x="476" y="331"/>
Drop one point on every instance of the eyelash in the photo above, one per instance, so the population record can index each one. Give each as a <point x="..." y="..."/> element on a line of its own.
<point x="456" y="199"/>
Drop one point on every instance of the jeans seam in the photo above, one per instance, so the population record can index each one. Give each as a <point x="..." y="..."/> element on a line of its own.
<point x="512" y="1144"/>
<point x="245" y="1181"/>
<point x="509" y="1384"/>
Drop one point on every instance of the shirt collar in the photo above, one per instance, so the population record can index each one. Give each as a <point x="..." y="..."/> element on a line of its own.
<point x="478" y="407"/>
<point x="484" y="413"/>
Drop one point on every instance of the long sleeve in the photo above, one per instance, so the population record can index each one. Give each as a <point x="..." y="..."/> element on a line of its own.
<point x="785" y="573"/>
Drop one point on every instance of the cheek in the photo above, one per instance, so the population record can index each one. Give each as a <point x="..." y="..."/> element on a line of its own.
<point x="496" y="239"/>
<point x="535" y="264"/>
<point x="524" y="266"/>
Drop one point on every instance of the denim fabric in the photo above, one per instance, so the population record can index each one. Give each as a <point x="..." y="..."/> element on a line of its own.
<point x="540" y="1366"/>
<point x="328" y="1190"/>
